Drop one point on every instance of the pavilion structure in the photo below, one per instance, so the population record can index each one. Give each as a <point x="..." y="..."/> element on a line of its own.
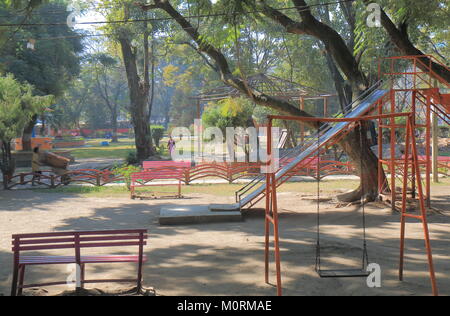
<point x="270" y="85"/>
<point x="273" y="86"/>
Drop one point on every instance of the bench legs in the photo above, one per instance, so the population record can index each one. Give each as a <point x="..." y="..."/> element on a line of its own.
<point x="18" y="279"/>
<point x="15" y="280"/>
<point x="21" y="279"/>
<point x="82" y="274"/>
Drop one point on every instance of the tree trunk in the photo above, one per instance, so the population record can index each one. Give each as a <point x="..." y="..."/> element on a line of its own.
<point x="114" y="138"/>
<point x="139" y="98"/>
<point x="7" y="164"/>
<point x="366" y="163"/>
<point x="27" y="134"/>
<point x="143" y="139"/>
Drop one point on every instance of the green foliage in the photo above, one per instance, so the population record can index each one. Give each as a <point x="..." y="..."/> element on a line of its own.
<point x="100" y="89"/>
<point x="132" y="158"/>
<point x="126" y="171"/>
<point x="231" y="112"/>
<point x="17" y="106"/>
<point x="157" y="133"/>
<point x="53" y="63"/>
<point x="426" y="22"/>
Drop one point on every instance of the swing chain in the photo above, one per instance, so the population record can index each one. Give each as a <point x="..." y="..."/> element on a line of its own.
<point x="365" y="256"/>
<point x="365" y="259"/>
<point x="318" y="263"/>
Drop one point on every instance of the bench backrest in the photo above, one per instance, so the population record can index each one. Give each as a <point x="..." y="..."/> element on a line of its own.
<point x="147" y="165"/>
<point x="78" y="240"/>
<point x="158" y="174"/>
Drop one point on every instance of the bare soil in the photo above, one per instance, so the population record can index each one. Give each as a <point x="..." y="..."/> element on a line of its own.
<point x="228" y="258"/>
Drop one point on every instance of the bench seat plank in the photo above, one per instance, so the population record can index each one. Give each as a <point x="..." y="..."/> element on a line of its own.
<point x="40" y="260"/>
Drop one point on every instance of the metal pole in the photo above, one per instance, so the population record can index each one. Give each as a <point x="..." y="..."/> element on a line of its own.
<point x="393" y="151"/>
<point x="435" y="148"/>
<point x="302" y="125"/>
<point x="424" y="218"/>
<point x="428" y="152"/>
<point x="268" y="203"/>
<point x="435" y="142"/>
<point x="276" y="233"/>
<point x="380" y="151"/>
<point x="404" y="196"/>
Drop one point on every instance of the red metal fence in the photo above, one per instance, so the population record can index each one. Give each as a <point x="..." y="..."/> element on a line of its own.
<point x="230" y="172"/>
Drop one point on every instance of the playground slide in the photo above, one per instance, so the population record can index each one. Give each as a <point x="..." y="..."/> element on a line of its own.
<point x="358" y="110"/>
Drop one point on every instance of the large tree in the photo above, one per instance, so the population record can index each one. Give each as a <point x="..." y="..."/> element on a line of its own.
<point x="304" y="23"/>
<point x="17" y="106"/>
<point x="136" y="43"/>
<point x="110" y="86"/>
<point x="52" y="63"/>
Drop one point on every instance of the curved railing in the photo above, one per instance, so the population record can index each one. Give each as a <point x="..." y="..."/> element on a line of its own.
<point x="51" y="180"/>
<point x="230" y="172"/>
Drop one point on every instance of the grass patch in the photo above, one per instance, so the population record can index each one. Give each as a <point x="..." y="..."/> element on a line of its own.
<point x="118" y="150"/>
<point x="442" y="182"/>
<point x="95" y="150"/>
<point x="307" y="187"/>
<point x="87" y="191"/>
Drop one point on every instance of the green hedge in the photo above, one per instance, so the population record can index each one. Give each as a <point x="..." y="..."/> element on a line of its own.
<point x="157" y="133"/>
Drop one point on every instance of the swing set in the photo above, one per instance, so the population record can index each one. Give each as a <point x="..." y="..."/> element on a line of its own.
<point x="411" y="173"/>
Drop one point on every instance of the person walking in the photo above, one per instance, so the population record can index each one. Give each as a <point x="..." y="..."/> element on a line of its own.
<point x="171" y="146"/>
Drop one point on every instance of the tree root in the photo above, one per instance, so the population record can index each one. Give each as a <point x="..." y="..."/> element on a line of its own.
<point x="354" y="197"/>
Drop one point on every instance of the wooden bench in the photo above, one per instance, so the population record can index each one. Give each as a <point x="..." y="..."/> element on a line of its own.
<point x="144" y="179"/>
<point x="76" y="241"/>
<point x="159" y="170"/>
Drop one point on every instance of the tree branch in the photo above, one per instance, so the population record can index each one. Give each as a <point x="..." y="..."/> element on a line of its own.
<point x="399" y="36"/>
<point x="223" y="67"/>
<point x="334" y="43"/>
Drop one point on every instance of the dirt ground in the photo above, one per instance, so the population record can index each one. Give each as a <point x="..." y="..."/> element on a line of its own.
<point x="228" y="259"/>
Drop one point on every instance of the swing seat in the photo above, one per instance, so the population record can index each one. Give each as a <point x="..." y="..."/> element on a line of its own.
<point x="346" y="273"/>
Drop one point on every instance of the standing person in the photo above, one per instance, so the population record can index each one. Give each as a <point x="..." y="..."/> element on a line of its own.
<point x="36" y="165"/>
<point x="171" y="145"/>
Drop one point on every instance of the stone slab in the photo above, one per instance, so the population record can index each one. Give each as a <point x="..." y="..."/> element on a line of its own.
<point x="195" y="214"/>
<point x="224" y="208"/>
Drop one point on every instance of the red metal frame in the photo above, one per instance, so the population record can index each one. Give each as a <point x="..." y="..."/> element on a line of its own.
<point x="423" y="85"/>
<point x="410" y="161"/>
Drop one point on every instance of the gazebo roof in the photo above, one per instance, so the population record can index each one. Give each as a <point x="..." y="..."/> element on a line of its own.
<point x="268" y="84"/>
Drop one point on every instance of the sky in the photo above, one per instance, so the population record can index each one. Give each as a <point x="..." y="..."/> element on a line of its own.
<point x="89" y="16"/>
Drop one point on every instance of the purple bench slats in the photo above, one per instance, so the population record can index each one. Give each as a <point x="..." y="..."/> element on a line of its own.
<point x="29" y="286"/>
<point x="45" y="241"/>
<point x="82" y="245"/>
<point x="88" y="232"/>
<point x="68" y="240"/>
<point x="37" y="260"/>
<point x="76" y="241"/>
